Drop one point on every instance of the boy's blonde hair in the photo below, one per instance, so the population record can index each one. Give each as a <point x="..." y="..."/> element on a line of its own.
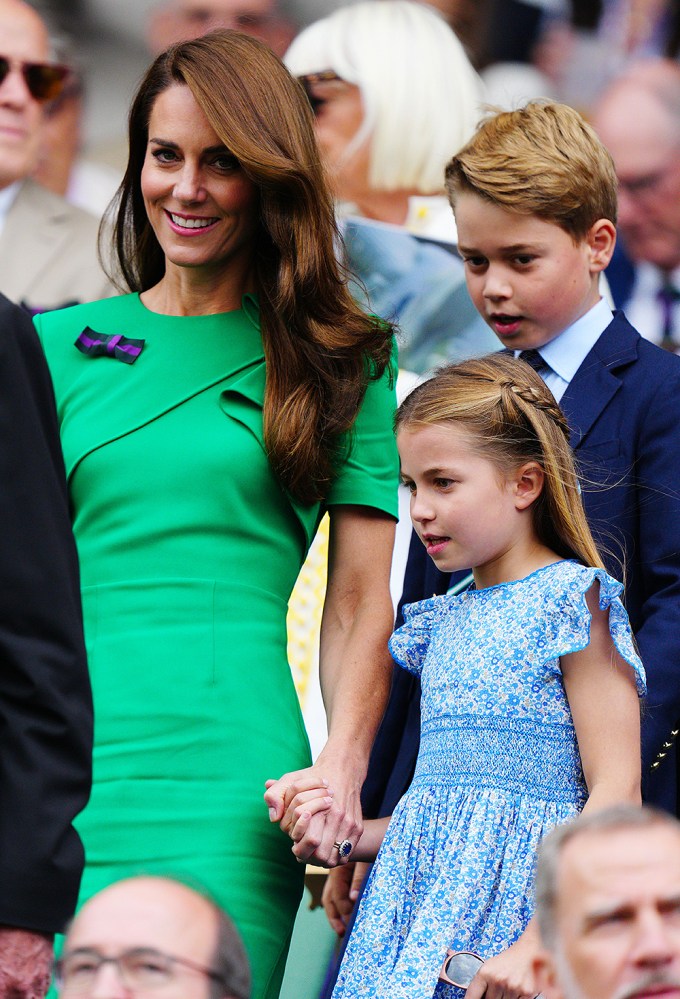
<point x="542" y="159"/>
<point x="513" y="418"/>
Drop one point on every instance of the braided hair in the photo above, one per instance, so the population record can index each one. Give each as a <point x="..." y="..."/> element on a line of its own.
<point x="513" y="417"/>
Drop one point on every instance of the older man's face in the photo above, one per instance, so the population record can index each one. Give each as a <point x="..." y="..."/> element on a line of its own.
<point x="148" y="917"/>
<point x="180" y="20"/>
<point x="23" y="38"/>
<point x="645" y="144"/>
<point x="618" y="917"/>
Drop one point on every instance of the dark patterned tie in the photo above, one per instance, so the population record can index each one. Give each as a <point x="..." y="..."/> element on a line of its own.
<point x="667" y="296"/>
<point x="535" y="361"/>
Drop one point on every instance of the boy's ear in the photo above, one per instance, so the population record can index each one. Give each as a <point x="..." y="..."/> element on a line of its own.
<point x="528" y="483"/>
<point x="601" y="240"/>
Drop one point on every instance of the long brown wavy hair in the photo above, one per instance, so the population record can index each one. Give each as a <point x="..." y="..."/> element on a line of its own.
<point x="513" y="418"/>
<point x="320" y="348"/>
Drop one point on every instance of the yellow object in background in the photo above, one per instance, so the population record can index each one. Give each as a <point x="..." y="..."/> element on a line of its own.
<point x="305" y="608"/>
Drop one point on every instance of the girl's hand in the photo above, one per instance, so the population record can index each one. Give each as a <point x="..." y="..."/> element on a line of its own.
<point x="327" y="825"/>
<point x="302" y="799"/>
<point x="509" y="975"/>
<point x="340" y="894"/>
<point x="298" y="817"/>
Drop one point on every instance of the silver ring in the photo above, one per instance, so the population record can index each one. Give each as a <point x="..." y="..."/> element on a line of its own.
<point x="344" y="848"/>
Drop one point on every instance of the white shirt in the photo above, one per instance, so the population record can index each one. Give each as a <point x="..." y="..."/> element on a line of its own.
<point x="566" y="353"/>
<point x="643" y="309"/>
<point x="7" y="196"/>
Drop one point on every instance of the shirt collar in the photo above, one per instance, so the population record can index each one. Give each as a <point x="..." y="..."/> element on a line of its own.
<point x="7" y="196"/>
<point x="649" y="278"/>
<point x="566" y="353"/>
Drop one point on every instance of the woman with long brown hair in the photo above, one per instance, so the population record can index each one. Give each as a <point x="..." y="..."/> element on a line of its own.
<point x="209" y="418"/>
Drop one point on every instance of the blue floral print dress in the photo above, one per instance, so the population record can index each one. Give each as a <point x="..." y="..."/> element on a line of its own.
<point x="498" y="767"/>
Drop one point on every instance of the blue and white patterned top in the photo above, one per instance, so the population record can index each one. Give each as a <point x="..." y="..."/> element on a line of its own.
<point x="498" y="767"/>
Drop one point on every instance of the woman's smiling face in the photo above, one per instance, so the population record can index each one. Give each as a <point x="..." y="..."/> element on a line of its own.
<point x="200" y="204"/>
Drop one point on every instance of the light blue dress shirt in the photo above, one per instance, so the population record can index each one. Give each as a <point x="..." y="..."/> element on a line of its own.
<point x="566" y="353"/>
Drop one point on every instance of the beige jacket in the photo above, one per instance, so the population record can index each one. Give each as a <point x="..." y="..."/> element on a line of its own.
<point x="48" y="252"/>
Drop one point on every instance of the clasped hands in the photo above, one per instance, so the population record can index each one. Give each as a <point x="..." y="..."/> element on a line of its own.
<point x="318" y="812"/>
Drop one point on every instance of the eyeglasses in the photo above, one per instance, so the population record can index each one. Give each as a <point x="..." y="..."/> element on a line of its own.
<point x="460" y="967"/>
<point x="641" y="188"/>
<point x="44" y="80"/>
<point x="309" y="80"/>
<point x="139" y="968"/>
<point x="243" y="21"/>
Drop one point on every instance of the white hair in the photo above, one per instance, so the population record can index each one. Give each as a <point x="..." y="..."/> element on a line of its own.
<point x="422" y="98"/>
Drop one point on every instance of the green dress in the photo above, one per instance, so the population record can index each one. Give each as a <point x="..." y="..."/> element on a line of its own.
<point x="189" y="549"/>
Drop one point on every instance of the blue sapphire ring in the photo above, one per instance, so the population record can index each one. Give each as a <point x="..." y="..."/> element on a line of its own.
<point x="344" y="849"/>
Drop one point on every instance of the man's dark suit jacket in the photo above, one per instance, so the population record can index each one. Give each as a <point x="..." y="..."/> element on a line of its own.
<point x="623" y="405"/>
<point x="45" y="701"/>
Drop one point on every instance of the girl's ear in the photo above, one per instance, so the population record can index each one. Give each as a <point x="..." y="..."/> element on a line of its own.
<point x="528" y="484"/>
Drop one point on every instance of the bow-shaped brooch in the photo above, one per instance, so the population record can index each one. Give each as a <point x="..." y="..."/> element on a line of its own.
<point x="109" y="345"/>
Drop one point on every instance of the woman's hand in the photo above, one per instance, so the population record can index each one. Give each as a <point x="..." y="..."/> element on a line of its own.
<point x="328" y="823"/>
<point x="509" y="975"/>
<point x="341" y="892"/>
<point x="355" y="671"/>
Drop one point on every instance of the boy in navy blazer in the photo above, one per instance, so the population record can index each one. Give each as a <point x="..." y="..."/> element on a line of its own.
<point x="534" y="195"/>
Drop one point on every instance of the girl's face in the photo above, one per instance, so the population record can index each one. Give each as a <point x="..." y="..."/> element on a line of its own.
<point x="339" y="114"/>
<point x="202" y="207"/>
<point x="467" y="513"/>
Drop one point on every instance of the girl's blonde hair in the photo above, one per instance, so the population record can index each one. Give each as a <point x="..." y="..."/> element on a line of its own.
<point x="514" y="419"/>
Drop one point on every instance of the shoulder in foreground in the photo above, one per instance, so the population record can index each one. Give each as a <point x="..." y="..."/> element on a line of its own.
<point x="16" y="326"/>
<point x="12" y="314"/>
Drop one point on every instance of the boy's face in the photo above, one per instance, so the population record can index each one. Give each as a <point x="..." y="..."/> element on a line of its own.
<point x="527" y="277"/>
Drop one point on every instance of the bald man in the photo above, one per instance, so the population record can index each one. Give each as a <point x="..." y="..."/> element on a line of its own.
<point x="48" y="248"/>
<point x="147" y="933"/>
<point x="638" y="119"/>
<point x="180" y="20"/>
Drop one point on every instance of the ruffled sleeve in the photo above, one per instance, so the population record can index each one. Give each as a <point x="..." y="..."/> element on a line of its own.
<point x="409" y="644"/>
<point x="567" y="628"/>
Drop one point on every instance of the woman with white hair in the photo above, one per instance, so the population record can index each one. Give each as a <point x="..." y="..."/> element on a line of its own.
<point x="395" y="96"/>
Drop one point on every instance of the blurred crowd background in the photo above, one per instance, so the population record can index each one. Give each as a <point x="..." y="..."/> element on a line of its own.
<point x="569" y="48"/>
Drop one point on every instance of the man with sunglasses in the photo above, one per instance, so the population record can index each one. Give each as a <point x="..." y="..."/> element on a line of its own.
<point x="152" y="935"/>
<point x="48" y="255"/>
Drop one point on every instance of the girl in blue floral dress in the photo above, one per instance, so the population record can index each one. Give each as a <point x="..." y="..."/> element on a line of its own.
<point x="530" y="685"/>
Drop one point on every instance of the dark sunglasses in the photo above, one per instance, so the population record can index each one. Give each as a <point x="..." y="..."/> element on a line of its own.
<point x="44" y="80"/>
<point x="308" y="81"/>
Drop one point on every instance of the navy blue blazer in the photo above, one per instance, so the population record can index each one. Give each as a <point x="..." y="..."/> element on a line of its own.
<point x="623" y="405"/>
